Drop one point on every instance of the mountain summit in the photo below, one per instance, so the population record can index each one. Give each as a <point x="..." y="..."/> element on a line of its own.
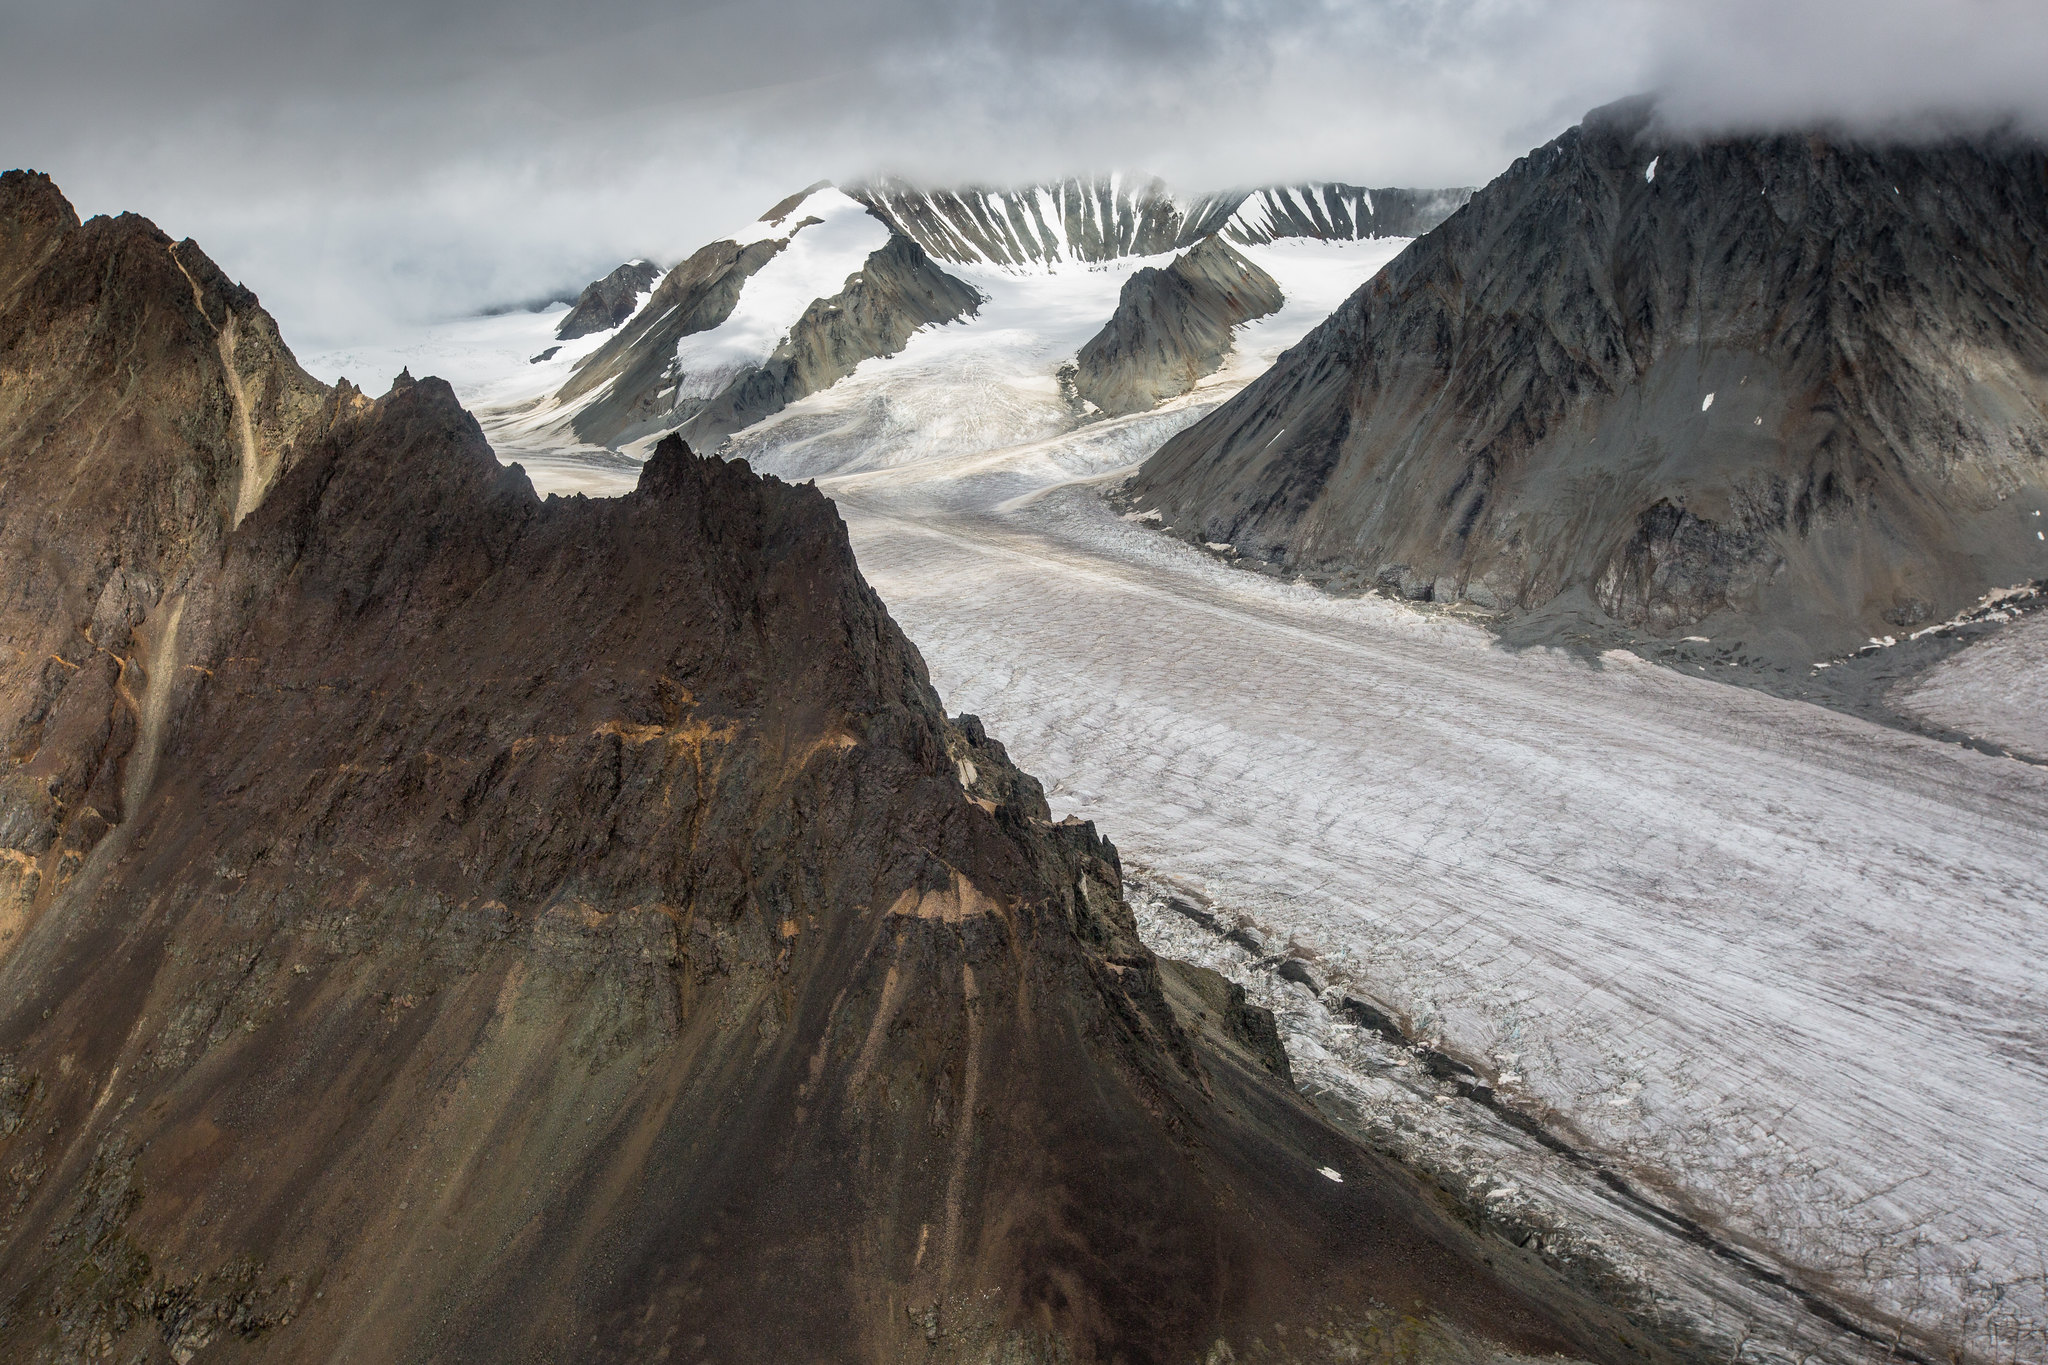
<point x="1791" y="383"/>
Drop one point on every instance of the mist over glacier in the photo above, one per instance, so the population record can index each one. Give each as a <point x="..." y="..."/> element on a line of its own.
<point x="403" y="163"/>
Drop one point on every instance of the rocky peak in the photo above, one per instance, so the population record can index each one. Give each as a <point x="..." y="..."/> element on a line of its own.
<point x="1793" y="379"/>
<point x="609" y="302"/>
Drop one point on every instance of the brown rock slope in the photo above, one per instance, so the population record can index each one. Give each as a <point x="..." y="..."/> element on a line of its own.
<point x="1790" y="384"/>
<point x="1171" y="327"/>
<point x="537" y="931"/>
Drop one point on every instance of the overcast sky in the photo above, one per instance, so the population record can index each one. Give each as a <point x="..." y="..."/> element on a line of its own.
<point x="384" y="161"/>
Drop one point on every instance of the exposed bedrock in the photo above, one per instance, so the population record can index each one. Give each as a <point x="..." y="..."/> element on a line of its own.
<point x="1079" y="219"/>
<point x="609" y="302"/>
<point x="1171" y="327"/>
<point x="1797" y="382"/>
<point x="896" y="292"/>
<point x="571" y="929"/>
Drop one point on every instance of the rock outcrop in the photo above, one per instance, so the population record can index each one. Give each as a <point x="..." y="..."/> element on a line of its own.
<point x="472" y="927"/>
<point x="1789" y="385"/>
<point x="146" y="405"/>
<point x="609" y="302"/>
<point x="1171" y="327"/>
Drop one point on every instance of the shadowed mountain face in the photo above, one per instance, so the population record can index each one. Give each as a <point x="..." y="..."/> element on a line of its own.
<point x="1786" y="382"/>
<point x="1171" y="327"/>
<point x="606" y="303"/>
<point x="627" y="384"/>
<point x="449" y="925"/>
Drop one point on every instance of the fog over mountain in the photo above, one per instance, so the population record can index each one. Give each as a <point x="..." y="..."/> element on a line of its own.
<point x="382" y="160"/>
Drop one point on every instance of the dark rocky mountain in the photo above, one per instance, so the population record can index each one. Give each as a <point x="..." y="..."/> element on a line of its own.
<point x="1794" y="386"/>
<point x="1172" y="326"/>
<point x="626" y="385"/>
<point x="1110" y="217"/>
<point x="449" y="925"/>
<point x="609" y="302"/>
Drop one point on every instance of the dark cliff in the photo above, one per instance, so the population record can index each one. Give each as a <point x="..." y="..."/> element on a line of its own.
<point x="1795" y="381"/>
<point x="450" y="925"/>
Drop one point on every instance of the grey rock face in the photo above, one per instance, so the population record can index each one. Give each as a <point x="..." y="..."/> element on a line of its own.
<point x="898" y="291"/>
<point x="1171" y="327"/>
<point x="606" y="303"/>
<point x="1796" y="380"/>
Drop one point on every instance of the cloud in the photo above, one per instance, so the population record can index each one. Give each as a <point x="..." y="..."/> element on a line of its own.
<point x="389" y="161"/>
<point x="1877" y="65"/>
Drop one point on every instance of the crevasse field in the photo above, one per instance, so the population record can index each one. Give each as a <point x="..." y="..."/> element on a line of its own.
<point x="1765" y="976"/>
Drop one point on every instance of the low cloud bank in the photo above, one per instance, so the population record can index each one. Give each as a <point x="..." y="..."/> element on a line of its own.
<point x="385" y="163"/>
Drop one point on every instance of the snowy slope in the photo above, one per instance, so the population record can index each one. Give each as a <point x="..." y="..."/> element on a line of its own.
<point x="956" y="393"/>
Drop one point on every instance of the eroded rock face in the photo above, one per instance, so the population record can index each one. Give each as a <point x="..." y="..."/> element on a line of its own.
<point x="1332" y="211"/>
<point x="609" y="302"/>
<point x="633" y="372"/>
<point x="1171" y="327"/>
<point x="569" y="929"/>
<point x="1794" y="381"/>
<point x="874" y="313"/>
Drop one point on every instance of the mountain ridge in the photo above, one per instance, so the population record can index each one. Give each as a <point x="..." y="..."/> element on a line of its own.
<point x="1789" y="382"/>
